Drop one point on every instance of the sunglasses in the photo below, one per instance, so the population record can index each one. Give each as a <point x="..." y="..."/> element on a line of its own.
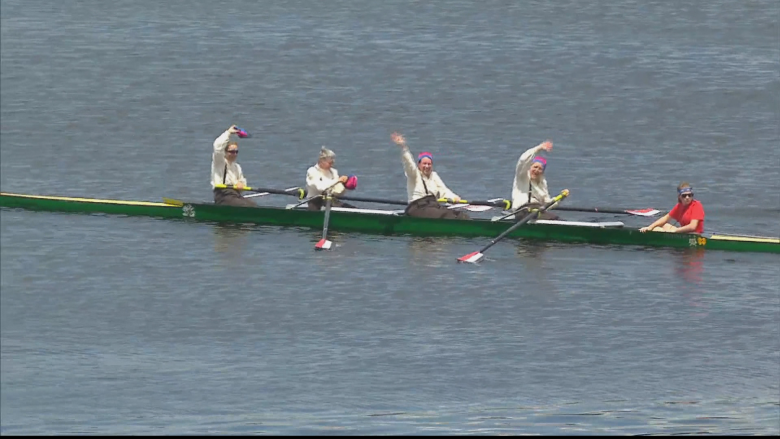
<point x="235" y="151"/>
<point x="688" y="195"/>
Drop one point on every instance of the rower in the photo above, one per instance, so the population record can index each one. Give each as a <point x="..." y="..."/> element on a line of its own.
<point x="689" y="213"/>
<point x="424" y="187"/>
<point x="323" y="177"/>
<point x="529" y="189"/>
<point x="225" y="170"/>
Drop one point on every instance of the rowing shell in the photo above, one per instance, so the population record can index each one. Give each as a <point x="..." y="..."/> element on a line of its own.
<point x="394" y="222"/>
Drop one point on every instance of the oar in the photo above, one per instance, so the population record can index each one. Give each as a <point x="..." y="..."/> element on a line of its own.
<point x="639" y="212"/>
<point x="316" y="196"/>
<point x="294" y="191"/>
<point x="173" y="202"/>
<point x="504" y="204"/>
<point x="289" y="189"/>
<point x="323" y="243"/>
<point x="477" y="256"/>
<point x="498" y="203"/>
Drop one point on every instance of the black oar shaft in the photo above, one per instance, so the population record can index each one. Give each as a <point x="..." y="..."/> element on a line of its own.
<point x="373" y="200"/>
<point x="404" y="203"/>
<point x="594" y="209"/>
<point x="295" y="192"/>
<point x="527" y="218"/>
<point x="301" y="194"/>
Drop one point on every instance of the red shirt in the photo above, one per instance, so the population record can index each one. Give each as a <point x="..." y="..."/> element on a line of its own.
<point x="684" y="215"/>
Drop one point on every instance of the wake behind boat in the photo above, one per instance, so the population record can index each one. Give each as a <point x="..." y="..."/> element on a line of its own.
<point x="395" y="222"/>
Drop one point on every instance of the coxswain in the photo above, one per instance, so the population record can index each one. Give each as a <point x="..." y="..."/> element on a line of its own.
<point x="688" y="212"/>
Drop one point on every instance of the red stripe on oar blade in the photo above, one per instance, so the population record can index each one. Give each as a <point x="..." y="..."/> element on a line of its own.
<point x="472" y="257"/>
<point x="324" y="244"/>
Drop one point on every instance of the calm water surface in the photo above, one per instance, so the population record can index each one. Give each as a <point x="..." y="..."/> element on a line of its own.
<point x="116" y="325"/>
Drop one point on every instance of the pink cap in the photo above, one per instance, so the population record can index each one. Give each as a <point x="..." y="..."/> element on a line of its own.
<point x="542" y="161"/>
<point x="242" y="133"/>
<point x="351" y="183"/>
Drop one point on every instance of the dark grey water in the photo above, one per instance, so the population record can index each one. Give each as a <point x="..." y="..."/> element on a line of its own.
<point x="133" y="325"/>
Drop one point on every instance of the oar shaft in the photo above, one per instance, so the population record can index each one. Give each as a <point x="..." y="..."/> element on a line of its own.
<point x="527" y="218"/>
<point x="502" y="203"/>
<point x="594" y="209"/>
<point x="301" y="194"/>
<point x="296" y="192"/>
<point x="328" y="203"/>
<point x="373" y="200"/>
<point x="505" y="204"/>
<point x="640" y="212"/>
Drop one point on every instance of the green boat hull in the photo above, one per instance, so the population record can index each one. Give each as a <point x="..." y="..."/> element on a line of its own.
<point x="384" y="224"/>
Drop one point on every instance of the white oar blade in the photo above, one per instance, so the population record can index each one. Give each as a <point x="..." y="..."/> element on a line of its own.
<point x="471" y="257"/>
<point x="473" y="208"/>
<point x="644" y="212"/>
<point x="323" y="244"/>
<point x="259" y="194"/>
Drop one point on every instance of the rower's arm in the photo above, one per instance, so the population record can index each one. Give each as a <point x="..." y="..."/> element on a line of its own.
<point x="338" y="189"/>
<point x="445" y="191"/>
<point x="526" y="159"/>
<point x="659" y="222"/>
<point x="408" y="161"/>
<point x="319" y="181"/>
<point x="221" y="142"/>
<point x="691" y="227"/>
<point x="241" y="177"/>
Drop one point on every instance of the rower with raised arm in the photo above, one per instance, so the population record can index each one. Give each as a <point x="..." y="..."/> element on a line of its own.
<point x="225" y="170"/>
<point x="323" y="177"/>
<point x="424" y="187"/>
<point x="688" y="212"/>
<point x="529" y="189"/>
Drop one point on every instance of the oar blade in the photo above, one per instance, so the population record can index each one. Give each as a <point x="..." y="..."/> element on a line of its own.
<point x="323" y="244"/>
<point x="476" y="208"/>
<point x="471" y="257"/>
<point x="173" y="202"/>
<point x="644" y="212"/>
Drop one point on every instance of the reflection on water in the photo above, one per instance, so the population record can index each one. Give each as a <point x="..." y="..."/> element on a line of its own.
<point x="531" y="254"/>
<point x="422" y="250"/>
<point x="230" y="241"/>
<point x="689" y="267"/>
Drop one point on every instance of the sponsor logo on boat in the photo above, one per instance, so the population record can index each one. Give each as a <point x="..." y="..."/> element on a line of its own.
<point x="188" y="211"/>
<point x="697" y="242"/>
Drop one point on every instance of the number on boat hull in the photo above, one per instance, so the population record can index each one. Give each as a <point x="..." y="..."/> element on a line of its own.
<point x="188" y="211"/>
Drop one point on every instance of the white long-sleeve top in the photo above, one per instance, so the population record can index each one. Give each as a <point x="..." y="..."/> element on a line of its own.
<point x="415" y="188"/>
<point x="524" y="190"/>
<point x="318" y="180"/>
<point x="223" y="172"/>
